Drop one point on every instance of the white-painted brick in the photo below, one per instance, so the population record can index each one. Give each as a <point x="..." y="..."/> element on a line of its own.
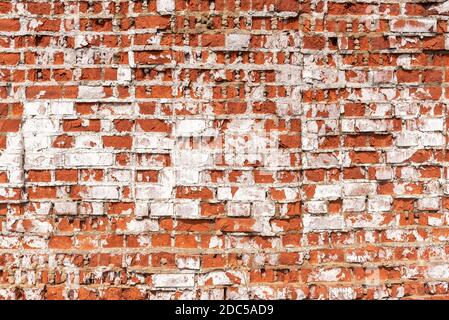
<point x="432" y="139"/>
<point x="161" y="209"/>
<point x="237" y="41"/>
<point x="399" y="155"/>
<point x="431" y="124"/>
<point x="190" y="127"/>
<point x="187" y="209"/>
<point x="316" y="206"/>
<point x="384" y="173"/>
<point x="124" y="74"/>
<point x="62" y="108"/>
<point x="149" y="192"/>
<point x="327" y="191"/>
<point x="242" y="194"/>
<point x="429" y="204"/>
<point x="189" y="263"/>
<point x="354" y="204"/>
<point x="141" y="209"/>
<point x="368" y="125"/>
<point x="439" y="271"/>
<point x="165" y="6"/>
<point x="35" y="108"/>
<point x="359" y="189"/>
<point x="40" y="126"/>
<point x="379" y="203"/>
<point x="173" y="280"/>
<point x="91" y="159"/>
<point x="328" y="222"/>
<point x="65" y="208"/>
<point x="238" y="209"/>
<point x="407" y="139"/>
<point x="102" y="192"/>
<point x="90" y="92"/>
<point x="263" y="209"/>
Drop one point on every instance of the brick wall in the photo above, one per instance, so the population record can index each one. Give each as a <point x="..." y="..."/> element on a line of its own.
<point x="223" y="149"/>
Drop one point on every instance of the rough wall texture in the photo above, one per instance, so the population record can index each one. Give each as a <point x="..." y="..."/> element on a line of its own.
<point x="224" y="149"/>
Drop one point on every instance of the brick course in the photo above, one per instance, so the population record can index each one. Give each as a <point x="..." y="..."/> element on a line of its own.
<point x="224" y="149"/>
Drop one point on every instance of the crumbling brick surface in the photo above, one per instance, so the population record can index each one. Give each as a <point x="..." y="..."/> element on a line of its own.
<point x="223" y="149"/>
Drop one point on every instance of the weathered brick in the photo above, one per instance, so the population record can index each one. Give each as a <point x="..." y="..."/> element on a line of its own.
<point x="223" y="149"/>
